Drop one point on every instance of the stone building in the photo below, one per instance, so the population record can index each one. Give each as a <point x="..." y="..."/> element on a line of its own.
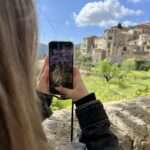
<point x="87" y="45"/>
<point x="119" y="43"/>
<point x="144" y="42"/>
<point x="116" y="41"/>
<point x="128" y="42"/>
<point x="95" y="47"/>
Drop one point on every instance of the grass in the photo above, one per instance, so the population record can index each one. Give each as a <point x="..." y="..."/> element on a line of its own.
<point x="137" y="83"/>
<point x="60" y="104"/>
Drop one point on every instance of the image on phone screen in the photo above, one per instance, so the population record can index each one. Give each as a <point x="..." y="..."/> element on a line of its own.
<point x="61" y="65"/>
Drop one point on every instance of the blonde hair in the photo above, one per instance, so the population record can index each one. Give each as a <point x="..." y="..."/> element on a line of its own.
<point x="20" y="123"/>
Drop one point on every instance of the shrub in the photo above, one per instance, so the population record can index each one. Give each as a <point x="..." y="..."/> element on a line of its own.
<point x="86" y="62"/>
<point x="108" y="70"/>
<point x="143" y="91"/>
<point x="128" y="65"/>
<point x="60" y="104"/>
<point x="143" y="65"/>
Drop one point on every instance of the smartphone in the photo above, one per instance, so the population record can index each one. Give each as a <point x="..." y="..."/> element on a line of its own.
<point x="61" y="65"/>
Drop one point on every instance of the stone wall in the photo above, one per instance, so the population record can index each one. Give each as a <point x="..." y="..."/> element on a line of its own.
<point x="130" y="122"/>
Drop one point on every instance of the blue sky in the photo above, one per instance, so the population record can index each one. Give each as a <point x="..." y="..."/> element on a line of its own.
<point x="75" y="19"/>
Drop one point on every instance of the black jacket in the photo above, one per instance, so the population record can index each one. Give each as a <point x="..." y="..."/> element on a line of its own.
<point x="93" y="120"/>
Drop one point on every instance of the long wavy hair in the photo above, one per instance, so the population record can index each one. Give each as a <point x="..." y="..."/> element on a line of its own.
<point x="20" y="123"/>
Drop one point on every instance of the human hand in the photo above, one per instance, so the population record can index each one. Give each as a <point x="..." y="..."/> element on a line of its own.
<point x="79" y="91"/>
<point x="43" y="81"/>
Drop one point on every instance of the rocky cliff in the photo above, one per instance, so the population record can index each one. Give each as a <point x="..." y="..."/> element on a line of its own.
<point x="130" y="122"/>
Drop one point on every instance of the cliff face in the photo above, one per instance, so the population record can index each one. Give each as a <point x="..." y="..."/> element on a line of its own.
<point x="130" y="122"/>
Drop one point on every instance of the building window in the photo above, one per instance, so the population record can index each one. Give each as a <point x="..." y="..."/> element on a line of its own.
<point x="124" y="49"/>
<point x="110" y="38"/>
<point x="148" y="46"/>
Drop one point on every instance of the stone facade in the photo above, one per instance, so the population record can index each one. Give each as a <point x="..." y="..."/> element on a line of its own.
<point x="95" y="47"/>
<point x="130" y="122"/>
<point x="98" y="52"/>
<point x="131" y="42"/>
<point x="119" y="43"/>
<point x="87" y="45"/>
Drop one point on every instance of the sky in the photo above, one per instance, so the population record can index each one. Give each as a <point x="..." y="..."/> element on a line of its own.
<point x="75" y="19"/>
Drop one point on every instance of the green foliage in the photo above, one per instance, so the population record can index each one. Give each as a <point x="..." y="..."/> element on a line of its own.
<point x="86" y="62"/>
<point x="143" y="65"/>
<point x="109" y="71"/>
<point x="128" y="65"/>
<point x="60" y="104"/>
<point x="143" y="91"/>
<point x="142" y="75"/>
<point x="78" y="57"/>
<point x="105" y="69"/>
<point x="126" y="88"/>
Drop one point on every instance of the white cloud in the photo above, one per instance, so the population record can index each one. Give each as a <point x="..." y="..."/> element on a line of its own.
<point x="129" y="23"/>
<point x="115" y="22"/>
<point x="103" y="13"/>
<point x="135" y="1"/>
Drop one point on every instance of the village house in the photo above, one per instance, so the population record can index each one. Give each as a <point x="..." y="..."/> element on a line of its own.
<point x="128" y="42"/>
<point x="119" y="43"/>
<point x="95" y="47"/>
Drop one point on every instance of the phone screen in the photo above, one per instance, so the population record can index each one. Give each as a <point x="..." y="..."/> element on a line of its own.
<point x="61" y="65"/>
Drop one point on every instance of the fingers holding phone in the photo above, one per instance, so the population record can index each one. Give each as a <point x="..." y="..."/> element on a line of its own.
<point x="64" y="80"/>
<point x="79" y="90"/>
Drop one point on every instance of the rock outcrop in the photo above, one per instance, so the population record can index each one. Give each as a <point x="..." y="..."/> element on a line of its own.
<point x="130" y="122"/>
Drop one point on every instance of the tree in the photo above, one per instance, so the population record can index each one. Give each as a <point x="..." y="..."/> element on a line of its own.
<point x="109" y="71"/>
<point x="128" y="65"/>
<point x="78" y="57"/>
<point x="86" y="62"/>
<point x="105" y="69"/>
